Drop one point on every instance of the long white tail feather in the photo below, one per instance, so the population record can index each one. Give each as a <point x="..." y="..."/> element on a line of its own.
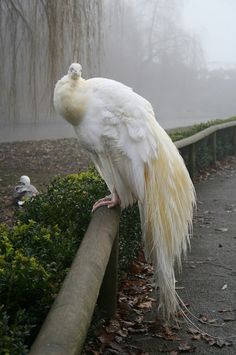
<point x="166" y="217"/>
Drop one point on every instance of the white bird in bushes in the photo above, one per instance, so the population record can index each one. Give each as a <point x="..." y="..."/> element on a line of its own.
<point x="24" y="191"/>
<point x="139" y="162"/>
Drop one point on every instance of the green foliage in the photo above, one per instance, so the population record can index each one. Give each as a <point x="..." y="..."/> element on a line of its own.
<point x="180" y="133"/>
<point x="37" y="252"/>
<point x="68" y="204"/>
<point x="13" y="334"/>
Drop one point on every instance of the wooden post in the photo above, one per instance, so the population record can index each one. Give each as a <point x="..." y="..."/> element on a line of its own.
<point x="213" y="147"/>
<point x="192" y="159"/>
<point x="107" y="300"/>
<point x="234" y="141"/>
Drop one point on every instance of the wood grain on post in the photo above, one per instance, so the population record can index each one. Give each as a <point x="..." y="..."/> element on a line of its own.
<point x="65" y="328"/>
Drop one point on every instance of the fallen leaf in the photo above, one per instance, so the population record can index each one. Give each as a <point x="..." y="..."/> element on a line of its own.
<point x="221" y="230"/>
<point x="122" y="332"/>
<point x="220" y="343"/>
<point x="207" y="320"/>
<point x="118" y="339"/>
<point x="147" y="305"/>
<point x="193" y="330"/>
<point x="137" y="330"/>
<point x="135" y="267"/>
<point x="229" y="319"/>
<point x="127" y="323"/>
<point x="113" y="327"/>
<point x="117" y="349"/>
<point x="106" y="338"/>
<point x="184" y="347"/>
<point x="211" y="321"/>
<point x="225" y="310"/>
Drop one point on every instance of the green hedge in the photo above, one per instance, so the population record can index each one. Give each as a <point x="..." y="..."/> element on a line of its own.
<point x="184" y="132"/>
<point x="37" y="252"/>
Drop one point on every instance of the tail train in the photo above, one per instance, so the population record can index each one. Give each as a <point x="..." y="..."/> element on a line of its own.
<point x="166" y="217"/>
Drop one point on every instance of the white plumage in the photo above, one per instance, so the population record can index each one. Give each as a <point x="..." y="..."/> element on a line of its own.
<point x="138" y="162"/>
<point x="25" y="191"/>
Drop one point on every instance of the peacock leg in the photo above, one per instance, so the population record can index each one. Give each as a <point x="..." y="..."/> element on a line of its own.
<point x="109" y="201"/>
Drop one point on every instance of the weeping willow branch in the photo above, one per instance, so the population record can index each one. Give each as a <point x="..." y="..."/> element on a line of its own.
<point x="39" y="39"/>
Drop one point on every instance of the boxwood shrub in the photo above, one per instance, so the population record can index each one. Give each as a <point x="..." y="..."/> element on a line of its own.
<point x="37" y="252"/>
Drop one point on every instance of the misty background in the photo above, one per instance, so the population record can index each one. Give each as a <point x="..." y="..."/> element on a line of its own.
<point x="178" y="54"/>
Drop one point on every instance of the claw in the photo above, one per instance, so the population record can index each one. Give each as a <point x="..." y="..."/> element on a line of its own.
<point x="109" y="201"/>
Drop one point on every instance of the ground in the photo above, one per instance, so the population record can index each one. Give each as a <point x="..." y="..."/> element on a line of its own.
<point x="41" y="161"/>
<point x="207" y="284"/>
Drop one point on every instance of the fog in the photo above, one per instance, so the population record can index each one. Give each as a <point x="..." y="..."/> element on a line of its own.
<point x="179" y="54"/>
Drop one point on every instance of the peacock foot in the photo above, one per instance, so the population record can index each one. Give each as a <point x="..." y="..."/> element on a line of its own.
<point x="109" y="201"/>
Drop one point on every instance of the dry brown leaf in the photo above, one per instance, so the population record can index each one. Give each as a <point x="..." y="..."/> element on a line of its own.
<point x="196" y="337"/>
<point x="106" y="338"/>
<point x="146" y="305"/>
<point x="193" y="330"/>
<point x="113" y="326"/>
<point x="122" y="332"/>
<point x="137" y="330"/>
<point x="225" y="310"/>
<point x="185" y="347"/>
<point x="221" y="230"/>
<point x="135" y="268"/>
<point x="229" y="319"/>
<point x="117" y="349"/>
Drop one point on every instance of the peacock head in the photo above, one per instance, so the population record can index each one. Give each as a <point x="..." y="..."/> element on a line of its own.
<point x="75" y="71"/>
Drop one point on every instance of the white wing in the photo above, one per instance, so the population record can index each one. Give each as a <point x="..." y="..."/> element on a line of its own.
<point x="117" y="131"/>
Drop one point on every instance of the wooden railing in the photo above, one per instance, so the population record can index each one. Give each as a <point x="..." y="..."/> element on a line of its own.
<point x="191" y="142"/>
<point x="94" y="271"/>
<point x="95" y="264"/>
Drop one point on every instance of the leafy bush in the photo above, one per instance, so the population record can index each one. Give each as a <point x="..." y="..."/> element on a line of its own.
<point x="180" y="133"/>
<point x="13" y="333"/>
<point x="37" y="252"/>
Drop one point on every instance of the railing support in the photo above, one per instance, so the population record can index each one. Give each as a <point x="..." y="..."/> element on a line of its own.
<point x="234" y="140"/>
<point x="107" y="299"/>
<point x="65" y="328"/>
<point x="213" y="147"/>
<point x="192" y="159"/>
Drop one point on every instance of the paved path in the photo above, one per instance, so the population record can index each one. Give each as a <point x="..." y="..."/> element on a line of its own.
<point x="208" y="280"/>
